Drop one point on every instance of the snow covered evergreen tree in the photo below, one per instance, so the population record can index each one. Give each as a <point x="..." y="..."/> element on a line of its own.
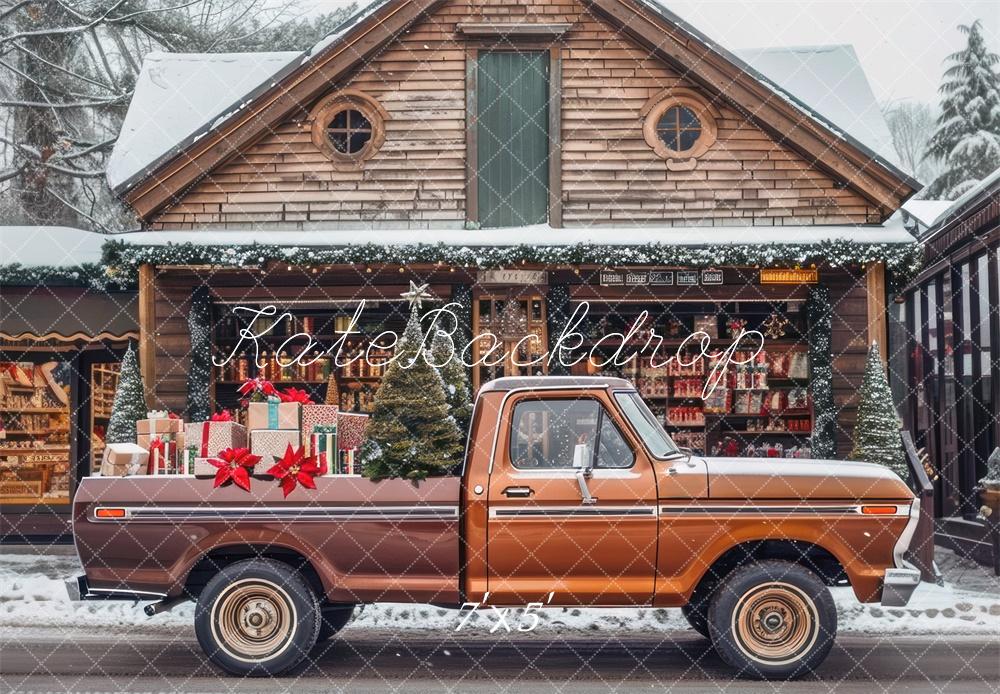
<point x="967" y="138"/>
<point x="453" y="376"/>
<point x="411" y="433"/>
<point x="199" y="404"/>
<point x="876" y="433"/>
<point x="130" y="401"/>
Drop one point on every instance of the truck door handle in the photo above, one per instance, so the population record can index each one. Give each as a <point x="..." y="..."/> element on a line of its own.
<point x="519" y="492"/>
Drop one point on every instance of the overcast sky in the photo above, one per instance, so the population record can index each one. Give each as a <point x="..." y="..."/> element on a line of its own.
<point x="901" y="43"/>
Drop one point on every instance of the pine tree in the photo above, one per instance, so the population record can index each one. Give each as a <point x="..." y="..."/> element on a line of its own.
<point x="453" y="377"/>
<point x="876" y="433"/>
<point x="411" y="434"/>
<point x="199" y="404"/>
<point x="967" y="138"/>
<point x="130" y="401"/>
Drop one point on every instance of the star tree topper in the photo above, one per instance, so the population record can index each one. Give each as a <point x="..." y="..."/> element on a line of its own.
<point x="417" y="294"/>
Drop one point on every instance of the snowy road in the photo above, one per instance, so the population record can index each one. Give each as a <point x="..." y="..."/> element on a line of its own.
<point x="367" y="661"/>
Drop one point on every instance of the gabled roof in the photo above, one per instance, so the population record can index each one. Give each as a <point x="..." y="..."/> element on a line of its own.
<point x="987" y="190"/>
<point x="152" y="179"/>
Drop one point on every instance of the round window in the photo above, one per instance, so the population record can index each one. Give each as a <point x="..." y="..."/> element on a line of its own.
<point x="679" y="129"/>
<point x="680" y="126"/>
<point x="349" y="131"/>
<point x="349" y="127"/>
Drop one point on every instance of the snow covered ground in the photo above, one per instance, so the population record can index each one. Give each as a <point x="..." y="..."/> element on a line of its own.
<point x="33" y="596"/>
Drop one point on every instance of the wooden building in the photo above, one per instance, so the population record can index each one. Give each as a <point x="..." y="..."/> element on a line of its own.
<point x="947" y="357"/>
<point x="519" y="158"/>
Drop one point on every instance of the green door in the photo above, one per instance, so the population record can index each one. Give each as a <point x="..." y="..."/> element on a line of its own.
<point x="512" y="98"/>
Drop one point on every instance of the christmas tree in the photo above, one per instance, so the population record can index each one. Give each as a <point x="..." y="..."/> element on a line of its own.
<point x="456" y="385"/>
<point x="199" y="405"/>
<point x="967" y="138"/>
<point x="411" y="434"/>
<point x="876" y="433"/>
<point x="130" y="401"/>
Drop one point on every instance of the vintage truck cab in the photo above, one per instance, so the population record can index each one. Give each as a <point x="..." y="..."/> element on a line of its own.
<point x="571" y="493"/>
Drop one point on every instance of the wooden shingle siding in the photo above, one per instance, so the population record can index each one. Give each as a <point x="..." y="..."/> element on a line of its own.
<point x="609" y="173"/>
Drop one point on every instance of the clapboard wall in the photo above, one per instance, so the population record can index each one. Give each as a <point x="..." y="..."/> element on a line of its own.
<point x="609" y="174"/>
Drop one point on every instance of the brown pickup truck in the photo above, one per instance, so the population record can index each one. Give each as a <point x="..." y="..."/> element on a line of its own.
<point x="570" y="486"/>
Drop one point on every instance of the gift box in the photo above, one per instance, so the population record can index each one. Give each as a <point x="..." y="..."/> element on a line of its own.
<point x="157" y="424"/>
<point x="122" y="459"/>
<point x="208" y="438"/>
<point x="272" y="443"/>
<point x="351" y="428"/>
<point x="323" y="444"/>
<point x="273" y="415"/>
<point x="317" y="415"/>
<point x="347" y="464"/>
<point x="162" y="457"/>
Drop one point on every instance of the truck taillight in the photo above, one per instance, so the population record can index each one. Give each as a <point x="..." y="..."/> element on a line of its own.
<point x="879" y="510"/>
<point x="109" y="513"/>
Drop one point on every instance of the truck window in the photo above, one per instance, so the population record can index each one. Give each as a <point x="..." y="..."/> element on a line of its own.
<point x="544" y="434"/>
<point x="647" y="426"/>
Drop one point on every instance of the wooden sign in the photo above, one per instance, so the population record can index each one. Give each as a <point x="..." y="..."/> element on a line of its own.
<point x="519" y="277"/>
<point x="777" y="275"/>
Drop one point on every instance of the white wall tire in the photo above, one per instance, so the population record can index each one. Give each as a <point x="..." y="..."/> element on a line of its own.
<point x="257" y="618"/>
<point x="772" y="620"/>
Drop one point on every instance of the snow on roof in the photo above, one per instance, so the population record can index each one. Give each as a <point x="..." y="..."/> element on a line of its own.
<point x="926" y="212"/>
<point x="540" y="234"/>
<point x="176" y="95"/>
<point x="181" y="97"/>
<point x="831" y="81"/>
<point x="35" y="246"/>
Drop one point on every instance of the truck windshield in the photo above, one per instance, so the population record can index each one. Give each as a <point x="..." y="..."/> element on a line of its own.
<point x="652" y="434"/>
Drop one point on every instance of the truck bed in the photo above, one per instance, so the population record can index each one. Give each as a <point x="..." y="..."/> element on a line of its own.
<point x="392" y="540"/>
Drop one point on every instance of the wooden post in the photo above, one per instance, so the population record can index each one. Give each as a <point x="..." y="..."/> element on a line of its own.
<point x="147" y="331"/>
<point x="877" y="327"/>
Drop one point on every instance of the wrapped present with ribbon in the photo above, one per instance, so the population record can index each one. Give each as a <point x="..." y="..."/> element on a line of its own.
<point x="208" y="438"/>
<point x="157" y="424"/>
<point x="122" y="459"/>
<point x="274" y="414"/>
<point x="271" y="443"/>
<point x="348" y="464"/>
<point x="188" y="456"/>
<point x="323" y="445"/>
<point x="162" y="456"/>
<point x="351" y="430"/>
<point x="314" y="416"/>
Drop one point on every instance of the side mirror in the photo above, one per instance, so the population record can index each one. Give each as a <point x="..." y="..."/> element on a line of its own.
<point x="582" y="458"/>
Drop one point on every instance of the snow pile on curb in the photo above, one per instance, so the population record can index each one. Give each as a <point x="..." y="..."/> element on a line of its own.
<point x="32" y="594"/>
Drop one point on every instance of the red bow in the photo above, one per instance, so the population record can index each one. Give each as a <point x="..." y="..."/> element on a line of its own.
<point x="234" y="464"/>
<point x="224" y="416"/>
<point x="157" y="455"/>
<point x="171" y="415"/>
<point x="295" y="395"/>
<point x="257" y="388"/>
<point x="296" y="468"/>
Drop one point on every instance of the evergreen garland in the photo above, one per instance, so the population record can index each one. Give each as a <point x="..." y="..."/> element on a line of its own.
<point x="199" y="404"/>
<point x="130" y="401"/>
<point x="876" y="432"/>
<point x="411" y="433"/>
<point x="558" y="308"/>
<point x="84" y="275"/>
<point x="902" y="259"/>
<point x="820" y="337"/>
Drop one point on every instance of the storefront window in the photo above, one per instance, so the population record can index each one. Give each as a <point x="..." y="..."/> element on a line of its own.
<point x="985" y="411"/>
<point x="103" y="384"/>
<point x="34" y="433"/>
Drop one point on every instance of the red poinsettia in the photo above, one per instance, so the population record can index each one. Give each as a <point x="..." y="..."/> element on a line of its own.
<point x="257" y="389"/>
<point x="224" y="416"/>
<point x="234" y="464"/>
<point x="295" y="468"/>
<point x="295" y="395"/>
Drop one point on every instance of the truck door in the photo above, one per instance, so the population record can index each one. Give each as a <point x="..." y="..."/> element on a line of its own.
<point x="543" y="534"/>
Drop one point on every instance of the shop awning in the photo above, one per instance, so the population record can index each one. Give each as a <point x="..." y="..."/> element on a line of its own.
<point x="67" y="314"/>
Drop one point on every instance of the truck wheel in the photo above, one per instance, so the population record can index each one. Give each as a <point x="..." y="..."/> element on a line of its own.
<point x="772" y="620"/>
<point x="334" y="618"/>
<point x="257" y="618"/>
